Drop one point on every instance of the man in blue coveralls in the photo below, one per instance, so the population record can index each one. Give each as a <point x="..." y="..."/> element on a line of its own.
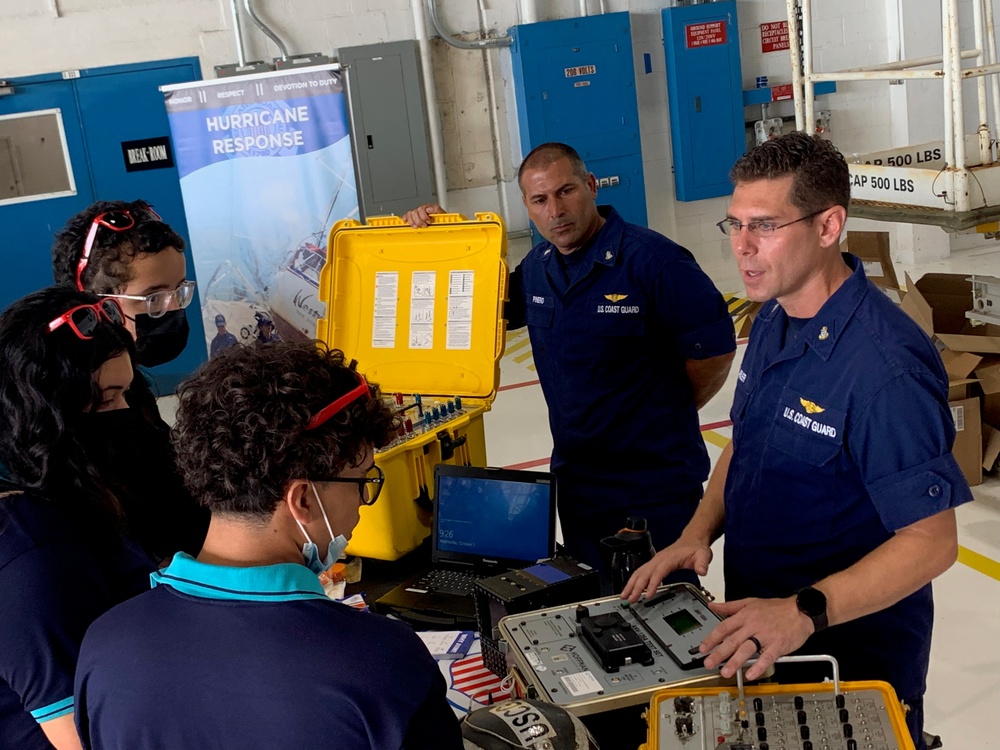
<point x="240" y="647"/>
<point x="630" y="338"/>
<point x="837" y="493"/>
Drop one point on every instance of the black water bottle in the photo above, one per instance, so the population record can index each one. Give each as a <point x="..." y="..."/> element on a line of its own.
<point x="628" y="550"/>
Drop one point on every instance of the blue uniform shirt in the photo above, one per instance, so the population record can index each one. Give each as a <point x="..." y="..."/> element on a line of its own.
<point x="610" y="339"/>
<point x="250" y="658"/>
<point x="55" y="578"/>
<point x="842" y="436"/>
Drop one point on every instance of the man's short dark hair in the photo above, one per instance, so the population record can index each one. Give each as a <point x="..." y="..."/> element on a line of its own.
<point x="110" y="267"/>
<point x="821" y="176"/>
<point x="549" y="153"/>
<point x="241" y="431"/>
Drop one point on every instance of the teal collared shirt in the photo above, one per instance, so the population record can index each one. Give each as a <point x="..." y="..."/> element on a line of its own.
<point x="284" y="582"/>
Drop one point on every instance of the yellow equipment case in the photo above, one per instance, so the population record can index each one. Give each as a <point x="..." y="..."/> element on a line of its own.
<point x="862" y="715"/>
<point x="421" y="310"/>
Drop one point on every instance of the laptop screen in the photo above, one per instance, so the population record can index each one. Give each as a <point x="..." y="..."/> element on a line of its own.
<point x="493" y="515"/>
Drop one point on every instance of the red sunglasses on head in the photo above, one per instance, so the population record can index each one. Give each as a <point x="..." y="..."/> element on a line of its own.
<point x="118" y="220"/>
<point x="84" y="319"/>
<point x="328" y="411"/>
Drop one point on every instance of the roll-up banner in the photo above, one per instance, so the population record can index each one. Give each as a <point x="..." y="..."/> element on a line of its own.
<point x="265" y="169"/>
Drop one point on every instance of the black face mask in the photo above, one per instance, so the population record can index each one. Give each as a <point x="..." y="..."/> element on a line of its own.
<point x="135" y="459"/>
<point x="160" y="340"/>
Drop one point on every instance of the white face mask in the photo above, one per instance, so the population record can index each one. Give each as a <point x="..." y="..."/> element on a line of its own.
<point x="310" y="552"/>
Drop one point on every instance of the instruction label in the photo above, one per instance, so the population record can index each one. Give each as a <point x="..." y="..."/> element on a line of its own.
<point x="581" y="684"/>
<point x="774" y="36"/>
<point x="422" y="309"/>
<point x="705" y="34"/>
<point x="384" y="310"/>
<point x="460" y="285"/>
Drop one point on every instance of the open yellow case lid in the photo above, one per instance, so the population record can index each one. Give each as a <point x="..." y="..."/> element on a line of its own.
<point x="420" y="309"/>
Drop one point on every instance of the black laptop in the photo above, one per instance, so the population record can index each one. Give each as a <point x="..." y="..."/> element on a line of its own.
<point x="486" y="521"/>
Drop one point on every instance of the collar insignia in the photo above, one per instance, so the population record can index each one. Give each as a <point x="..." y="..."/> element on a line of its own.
<point x="824" y="334"/>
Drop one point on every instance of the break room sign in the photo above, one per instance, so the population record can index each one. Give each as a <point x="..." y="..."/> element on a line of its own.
<point x="149" y="153"/>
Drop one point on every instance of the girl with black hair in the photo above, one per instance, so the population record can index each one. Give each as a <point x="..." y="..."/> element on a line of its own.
<point x="77" y="420"/>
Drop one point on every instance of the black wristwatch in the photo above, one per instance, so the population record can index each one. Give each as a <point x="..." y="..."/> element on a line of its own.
<point x="812" y="603"/>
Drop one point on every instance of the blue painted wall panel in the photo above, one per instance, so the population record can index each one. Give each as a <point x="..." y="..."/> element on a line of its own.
<point x="575" y="83"/>
<point x="705" y="92"/>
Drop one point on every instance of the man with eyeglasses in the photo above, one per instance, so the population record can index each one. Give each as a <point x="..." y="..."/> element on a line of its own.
<point x="836" y="495"/>
<point x="126" y="251"/>
<point x="239" y="647"/>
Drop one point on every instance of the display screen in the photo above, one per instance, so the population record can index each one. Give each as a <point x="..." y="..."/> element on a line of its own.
<point x="682" y="622"/>
<point x="494" y="518"/>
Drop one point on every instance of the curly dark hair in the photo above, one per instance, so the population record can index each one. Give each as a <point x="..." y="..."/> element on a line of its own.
<point x="240" y="435"/>
<point x="110" y="266"/>
<point x="47" y="388"/>
<point x="822" y="178"/>
<point x="549" y="153"/>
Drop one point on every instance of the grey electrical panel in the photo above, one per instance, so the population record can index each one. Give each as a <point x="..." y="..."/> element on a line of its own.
<point x="388" y="127"/>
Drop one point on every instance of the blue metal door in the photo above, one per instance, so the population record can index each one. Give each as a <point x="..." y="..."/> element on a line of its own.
<point x="25" y="253"/>
<point x="102" y="109"/>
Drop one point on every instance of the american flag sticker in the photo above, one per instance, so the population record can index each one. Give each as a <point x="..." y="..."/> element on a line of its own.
<point x="470" y="677"/>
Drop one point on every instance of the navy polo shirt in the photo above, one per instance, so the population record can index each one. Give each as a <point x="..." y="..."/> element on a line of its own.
<point x="55" y="578"/>
<point x="842" y="436"/>
<point x="610" y="340"/>
<point x="256" y="657"/>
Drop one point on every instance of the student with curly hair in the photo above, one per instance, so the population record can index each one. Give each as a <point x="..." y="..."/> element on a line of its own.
<point x="126" y="251"/>
<point x="239" y="647"/>
<point x="65" y="368"/>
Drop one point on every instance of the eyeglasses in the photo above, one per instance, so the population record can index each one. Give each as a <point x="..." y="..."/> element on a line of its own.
<point x="760" y="228"/>
<point x="328" y="411"/>
<point x="159" y="303"/>
<point x="369" y="486"/>
<point x="117" y="221"/>
<point x="84" y="319"/>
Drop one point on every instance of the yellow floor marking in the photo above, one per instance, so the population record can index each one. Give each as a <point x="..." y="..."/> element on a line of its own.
<point x="713" y="437"/>
<point x="523" y="357"/>
<point x="979" y="563"/>
<point x="510" y="348"/>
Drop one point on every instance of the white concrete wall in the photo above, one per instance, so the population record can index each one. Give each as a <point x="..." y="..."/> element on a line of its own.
<point x="40" y="36"/>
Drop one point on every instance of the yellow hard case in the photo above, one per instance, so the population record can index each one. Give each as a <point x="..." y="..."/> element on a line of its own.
<point x="397" y="300"/>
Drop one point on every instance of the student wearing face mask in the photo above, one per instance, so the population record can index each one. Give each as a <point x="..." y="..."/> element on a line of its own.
<point x="65" y="556"/>
<point x="239" y="647"/>
<point x="126" y="252"/>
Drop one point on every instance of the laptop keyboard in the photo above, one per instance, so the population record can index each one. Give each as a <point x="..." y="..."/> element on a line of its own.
<point x="457" y="582"/>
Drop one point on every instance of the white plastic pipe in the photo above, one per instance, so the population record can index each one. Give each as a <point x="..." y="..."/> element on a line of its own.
<point x="958" y="131"/>
<point x="529" y="11"/>
<point x="430" y="91"/>
<point x="809" y="87"/>
<point x="991" y="56"/>
<point x="985" y="150"/>
<point x="491" y="101"/>
<point x="795" y="52"/>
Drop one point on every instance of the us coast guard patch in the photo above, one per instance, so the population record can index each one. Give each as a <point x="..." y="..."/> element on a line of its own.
<point x="811" y="415"/>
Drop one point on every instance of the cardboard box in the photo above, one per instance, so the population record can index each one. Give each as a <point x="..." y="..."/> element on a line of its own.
<point x="968" y="449"/>
<point x="938" y="303"/>
<point x="872" y="248"/>
<point x="991" y="447"/>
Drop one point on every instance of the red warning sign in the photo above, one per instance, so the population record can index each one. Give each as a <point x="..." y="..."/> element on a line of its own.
<point x="781" y="93"/>
<point x="774" y="36"/>
<point x="705" y="34"/>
